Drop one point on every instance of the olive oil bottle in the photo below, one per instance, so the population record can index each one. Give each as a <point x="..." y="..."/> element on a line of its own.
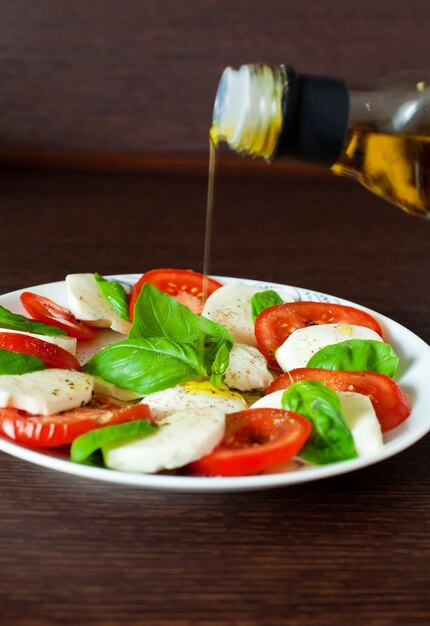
<point x="379" y="135"/>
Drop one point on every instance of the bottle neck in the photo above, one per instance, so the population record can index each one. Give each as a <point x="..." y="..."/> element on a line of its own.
<point x="315" y="119"/>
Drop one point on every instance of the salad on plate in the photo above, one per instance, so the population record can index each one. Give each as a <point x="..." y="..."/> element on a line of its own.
<point x="182" y="374"/>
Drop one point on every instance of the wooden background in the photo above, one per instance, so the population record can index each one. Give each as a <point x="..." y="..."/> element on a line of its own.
<point x="131" y="83"/>
<point x="139" y="77"/>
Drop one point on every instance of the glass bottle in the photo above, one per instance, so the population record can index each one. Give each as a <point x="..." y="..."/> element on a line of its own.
<point x="378" y="134"/>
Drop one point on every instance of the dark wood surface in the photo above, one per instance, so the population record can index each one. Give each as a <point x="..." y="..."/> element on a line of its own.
<point x="349" y="550"/>
<point x="135" y="76"/>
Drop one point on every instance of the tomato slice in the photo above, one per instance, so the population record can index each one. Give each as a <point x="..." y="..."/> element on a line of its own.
<point x="49" y="431"/>
<point x="50" y="354"/>
<point x="186" y="286"/>
<point x="276" y="323"/>
<point x="45" y="310"/>
<point x="255" y="439"/>
<point x="390" y="404"/>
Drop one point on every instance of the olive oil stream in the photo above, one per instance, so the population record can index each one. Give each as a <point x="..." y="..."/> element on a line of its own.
<point x="210" y="200"/>
<point x="213" y="157"/>
<point x="213" y="150"/>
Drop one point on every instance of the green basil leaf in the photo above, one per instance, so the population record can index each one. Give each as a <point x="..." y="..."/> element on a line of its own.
<point x="331" y="439"/>
<point x="219" y="365"/>
<point x="146" y="365"/>
<point x="96" y="460"/>
<point x="115" y="294"/>
<point x="357" y="355"/>
<point x="17" y="363"/>
<point x="87" y="444"/>
<point x="262" y="300"/>
<point x="156" y="314"/>
<point x="14" y="321"/>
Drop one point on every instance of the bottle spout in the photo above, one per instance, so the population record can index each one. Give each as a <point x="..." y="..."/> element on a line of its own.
<point x="231" y="104"/>
<point x="247" y="113"/>
<point x="220" y="99"/>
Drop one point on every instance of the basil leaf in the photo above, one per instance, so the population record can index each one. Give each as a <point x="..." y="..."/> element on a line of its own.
<point x="18" y="363"/>
<point x="146" y="365"/>
<point x="95" y="460"/>
<point x="357" y="355"/>
<point x="262" y="300"/>
<point x="167" y="345"/>
<point x="156" y="314"/>
<point x="14" y="321"/>
<point x="115" y="294"/>
<point x="219" y="365"/>
<point x="87" y="444"/>
<point x="330" y="440"/>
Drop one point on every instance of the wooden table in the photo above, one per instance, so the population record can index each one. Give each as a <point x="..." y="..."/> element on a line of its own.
<point x="349" y="550"/>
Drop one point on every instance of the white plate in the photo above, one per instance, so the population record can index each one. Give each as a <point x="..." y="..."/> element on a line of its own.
<point x="412" y="376"/>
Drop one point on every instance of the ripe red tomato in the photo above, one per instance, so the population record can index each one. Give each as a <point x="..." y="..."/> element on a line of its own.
<point x="390" y="404"/>
<point x="40" y="431"/>
<point x="276" y="323"/>
<point x="50" y="354"/>
<point x="254" y="440"/>
<point x="185" y="286"/>
<point x="45" y="310"/>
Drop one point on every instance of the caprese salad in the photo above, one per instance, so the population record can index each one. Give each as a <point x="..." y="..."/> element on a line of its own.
<point x="195" y="377"/>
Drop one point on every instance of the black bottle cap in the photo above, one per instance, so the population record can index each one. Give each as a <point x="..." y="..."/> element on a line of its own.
<point x="315" y="114"/>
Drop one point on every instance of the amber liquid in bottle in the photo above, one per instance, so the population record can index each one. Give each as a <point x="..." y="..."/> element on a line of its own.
<point x="396" y="167"/>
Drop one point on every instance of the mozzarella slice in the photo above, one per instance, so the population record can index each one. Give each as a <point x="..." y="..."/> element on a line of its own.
<point x="62" y="341"/>
<point x="47" y="391"/>
<point x="193" y="395"/>
<point x="230" y="306"/>
<point x="271" y="401"/>
<point x="303" y="343"/>
<point x="361" y="419"/>
<point x="87" y="303"/>
<point x="358" y="412"/>
<point x="105" y="388"/>
<point x="247" y="369"/>
<point x="183" y="437"/>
